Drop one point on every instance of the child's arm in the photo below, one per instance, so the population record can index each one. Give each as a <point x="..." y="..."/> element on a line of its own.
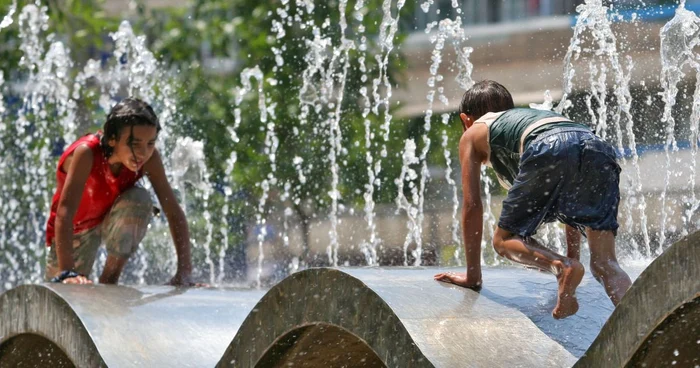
<point x="471" y="159"/>
<point x="573" y="243"/>
<point x="176" y="218"/>
<point x="472" y="211"/>
<point x="77" y="168"/>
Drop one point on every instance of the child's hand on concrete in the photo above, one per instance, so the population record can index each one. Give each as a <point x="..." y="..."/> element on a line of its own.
<point x="460" y="279"/>
<point x="79" y="280"/>
<point x="185" y="279"/>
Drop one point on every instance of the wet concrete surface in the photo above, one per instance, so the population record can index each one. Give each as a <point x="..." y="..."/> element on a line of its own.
<point x="329" y="317"/>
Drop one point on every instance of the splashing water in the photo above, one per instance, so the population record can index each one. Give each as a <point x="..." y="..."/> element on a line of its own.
<point x="278" y="26"/>
<point x="409" y="206"/>
<point x="369" y="246"/>
<point x="387" y="33"/>
<point x="27" y="161"/>
<point x="455" y="201"/>
<point x="679" y="37"/>
<point x="7" y="20"/>
<point x="228" y="191"/>
<point x="139" y="68"/>
<point x="271" y="145"/>
<point x="488" y="256"/>
<point x="187" y="166"/>
<point x="546" y="105"/>
<point x="447" y="30"/>
<point x="593" y="19"/>
<point x="335" y="134"/>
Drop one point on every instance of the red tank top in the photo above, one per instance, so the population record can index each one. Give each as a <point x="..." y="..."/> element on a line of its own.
<point x="101" y="188"/>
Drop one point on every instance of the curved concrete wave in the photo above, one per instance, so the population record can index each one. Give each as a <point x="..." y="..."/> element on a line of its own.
<point x="40" y="328"/>
<point x="322" y="299"/>
<point x="361" y="317"/>
<point x="657" y="323"/>
<point x="400" y="316"/>
<point x="117" y="326"/>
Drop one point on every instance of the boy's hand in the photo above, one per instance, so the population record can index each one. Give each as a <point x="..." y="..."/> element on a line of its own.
<point x="460" y="279"/>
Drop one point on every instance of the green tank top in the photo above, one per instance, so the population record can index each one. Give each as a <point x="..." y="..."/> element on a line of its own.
<point x="505" y="134"/>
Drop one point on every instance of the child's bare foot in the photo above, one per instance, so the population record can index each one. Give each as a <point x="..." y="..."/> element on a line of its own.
<point x="570" y="275"/>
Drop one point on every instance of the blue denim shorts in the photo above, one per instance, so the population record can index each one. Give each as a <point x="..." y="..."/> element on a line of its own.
<point x="566" y="174"/>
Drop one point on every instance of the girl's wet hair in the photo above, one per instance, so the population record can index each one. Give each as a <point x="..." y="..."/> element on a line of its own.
<point x="485" y="96"/>
<point x="127" y="113"/>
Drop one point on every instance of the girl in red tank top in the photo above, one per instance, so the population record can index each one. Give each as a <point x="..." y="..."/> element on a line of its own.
<point x="101" y="188"/>
<point x="96" y="199"/>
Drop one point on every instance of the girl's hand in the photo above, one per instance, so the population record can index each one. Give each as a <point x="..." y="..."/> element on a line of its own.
<point x="71" y="277"/>
<point x="79" y="280"/>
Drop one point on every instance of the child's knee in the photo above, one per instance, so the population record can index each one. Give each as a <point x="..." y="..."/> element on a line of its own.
<point x="500" y="237"/>
<point x="127" y="223"/>
<point x="499" y="246"/>
<point x="124" y="240"/>
<point x="137" y="195"/>
<point x="131" y="212"/>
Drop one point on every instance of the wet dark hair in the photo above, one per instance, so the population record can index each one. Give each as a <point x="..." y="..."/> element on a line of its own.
<point x="485" y="96"/>
<point x="127" y="113"/>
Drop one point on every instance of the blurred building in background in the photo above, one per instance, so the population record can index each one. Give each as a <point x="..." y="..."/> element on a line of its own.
<point x="520" y="43"/>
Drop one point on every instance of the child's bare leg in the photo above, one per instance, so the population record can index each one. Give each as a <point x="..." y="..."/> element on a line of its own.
<point x="573" y="243"/>
<point x="569" y="272"/>
<point x="113" y="269"/>
<point x="604" y="264"/>
<point x="123" y="229"/>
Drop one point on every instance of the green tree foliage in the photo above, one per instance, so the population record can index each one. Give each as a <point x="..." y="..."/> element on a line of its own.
<point x="80" y="24"/>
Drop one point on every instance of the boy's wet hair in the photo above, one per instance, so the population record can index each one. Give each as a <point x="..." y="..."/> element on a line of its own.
<point x="127" y="113"/>
<point x="485" y="96"/>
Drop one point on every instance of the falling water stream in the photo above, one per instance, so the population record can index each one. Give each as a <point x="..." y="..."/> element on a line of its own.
<point x="594" y="21"/>
<point x="679" y="37"/>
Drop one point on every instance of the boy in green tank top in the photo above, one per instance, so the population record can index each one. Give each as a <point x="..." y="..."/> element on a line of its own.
<point x="554" y="170"/>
